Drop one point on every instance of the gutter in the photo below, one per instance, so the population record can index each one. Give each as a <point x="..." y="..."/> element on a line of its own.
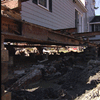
<point x="95" y="23"/>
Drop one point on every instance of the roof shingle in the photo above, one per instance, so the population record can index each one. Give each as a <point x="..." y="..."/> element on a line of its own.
<point x="95" y="19"/>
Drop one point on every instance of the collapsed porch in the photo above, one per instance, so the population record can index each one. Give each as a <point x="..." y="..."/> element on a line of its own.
<point x="17" y="31"/>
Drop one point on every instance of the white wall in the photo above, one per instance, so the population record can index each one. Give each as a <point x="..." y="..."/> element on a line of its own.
<point x="62" y="15"/>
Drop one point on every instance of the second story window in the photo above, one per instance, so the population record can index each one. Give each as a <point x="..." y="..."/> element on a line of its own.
<point x="47" y="4"/>
<point x="44" y="3"/>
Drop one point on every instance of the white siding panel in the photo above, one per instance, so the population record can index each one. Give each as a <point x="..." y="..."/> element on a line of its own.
<point x="62" y="15"/>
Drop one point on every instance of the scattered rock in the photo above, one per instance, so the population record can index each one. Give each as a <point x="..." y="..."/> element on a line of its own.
<point x="94" y="62"/>
<point x="70" y="74"/>
<point x="19" y="72"/>
<point x="78" y="66"/>
<point x="57" y="74"/>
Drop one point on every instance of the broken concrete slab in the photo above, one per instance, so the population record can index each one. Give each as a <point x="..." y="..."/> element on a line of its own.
<point x="93" y="62"/>
<point x="39" y="66"/>
<point x="78" y="66"/>
<point x="19" y="72"/>
<point x="33" y="75"/>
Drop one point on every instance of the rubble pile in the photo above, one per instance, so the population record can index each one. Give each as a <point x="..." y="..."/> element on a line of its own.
<point x="32" y="75"/>
<point x="68" y="77"/>
<point x="93" y="94"/>
<point x="90" y="53"/>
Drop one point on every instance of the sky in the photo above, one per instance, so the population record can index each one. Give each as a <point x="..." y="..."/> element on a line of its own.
<point x="97" y="4"/>
<point x="97" y="12"/>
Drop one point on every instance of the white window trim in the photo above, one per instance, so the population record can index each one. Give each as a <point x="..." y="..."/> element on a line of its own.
<point x="80" y="24"/>
<point x="47" y="8"/>
<point x="79" y="11"/>
<point x="94" y="27"/>
<point x="95" y="23"/>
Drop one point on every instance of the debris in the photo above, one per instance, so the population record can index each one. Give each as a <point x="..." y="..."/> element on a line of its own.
<point x="78" y="66"/>
<point x="57" y="74"/>
<point x="19" y="72"/>
<point x="93" y="94"/>
<point x="42" y="61"/>
<point x="94" y="62"/>
<point x="72" y="76"/>
<point x="39" y="66"/>
<point x="33" y="75"/>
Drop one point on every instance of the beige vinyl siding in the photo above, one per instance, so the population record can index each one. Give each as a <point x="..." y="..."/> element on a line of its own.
<point x="62" y="15"/>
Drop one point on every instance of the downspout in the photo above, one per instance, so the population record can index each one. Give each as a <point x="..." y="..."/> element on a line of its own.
<point x="86" y="28"/>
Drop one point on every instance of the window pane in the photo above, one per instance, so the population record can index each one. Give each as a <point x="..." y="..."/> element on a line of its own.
<point x="97" y="27"/>
<point x="76" y="18"/>
<point x="43" y="3"/>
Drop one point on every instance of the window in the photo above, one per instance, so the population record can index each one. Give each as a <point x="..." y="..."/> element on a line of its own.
<point x="47" y="4"/>
<point x="44" y="3"/>
<point x="76" y="18"/>
<point x="97" y="27"/>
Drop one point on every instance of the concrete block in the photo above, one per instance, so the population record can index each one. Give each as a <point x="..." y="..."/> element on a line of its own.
<point x="6" y="96"/>
<point x="2" y="42"/>
<point x="4" y="55"/>
<point x="4" y="71"/>
<point x="2" y="89"/>
<point x="19" y="72"/>
<point x="11" y="61"/>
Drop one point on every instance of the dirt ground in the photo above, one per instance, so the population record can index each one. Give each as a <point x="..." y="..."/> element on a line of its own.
<point x="64" y="79"/>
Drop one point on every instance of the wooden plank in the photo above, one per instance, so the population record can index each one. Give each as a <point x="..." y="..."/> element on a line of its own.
<point x="86" y="34"/>
<point x="6" y="96"/>
<point x="45" y="35"/>
<point x="10" y="4"/>
<point x="38" y="34"/>
<point x="9" y="25"/>
<point x="13" y="14"/>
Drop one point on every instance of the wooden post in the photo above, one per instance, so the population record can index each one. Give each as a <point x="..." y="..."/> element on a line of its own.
<point x="4" y="61"/>
<point x="2" y="42"/>
<point x="4" y="70"/>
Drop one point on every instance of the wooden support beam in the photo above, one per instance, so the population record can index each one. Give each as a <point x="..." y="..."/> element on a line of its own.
<point x="30" y="30"/>
<point x="32" y="33"/>
<point x="11" y="13"/>
<point x="2" y="42"/>
<point x="86" y="34"/>
<point x="67" y="31"/>
<point x="33" y="39"/>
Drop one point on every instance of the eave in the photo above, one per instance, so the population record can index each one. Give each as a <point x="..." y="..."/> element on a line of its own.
<point x="95" y="23"/>
<point x="81" y="5"/>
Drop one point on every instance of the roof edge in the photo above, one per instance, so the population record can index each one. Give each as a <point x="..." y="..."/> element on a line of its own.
<point x="81" y="5"/>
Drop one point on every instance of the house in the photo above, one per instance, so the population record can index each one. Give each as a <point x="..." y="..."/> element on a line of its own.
<point x="55" y="14"/>
<point x="95" y="23"/>
<point x="69" y="16"/>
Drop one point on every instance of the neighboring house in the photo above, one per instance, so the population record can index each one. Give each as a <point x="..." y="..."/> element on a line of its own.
<point x="95" y="23"/>
<point x="55" y="14"/>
